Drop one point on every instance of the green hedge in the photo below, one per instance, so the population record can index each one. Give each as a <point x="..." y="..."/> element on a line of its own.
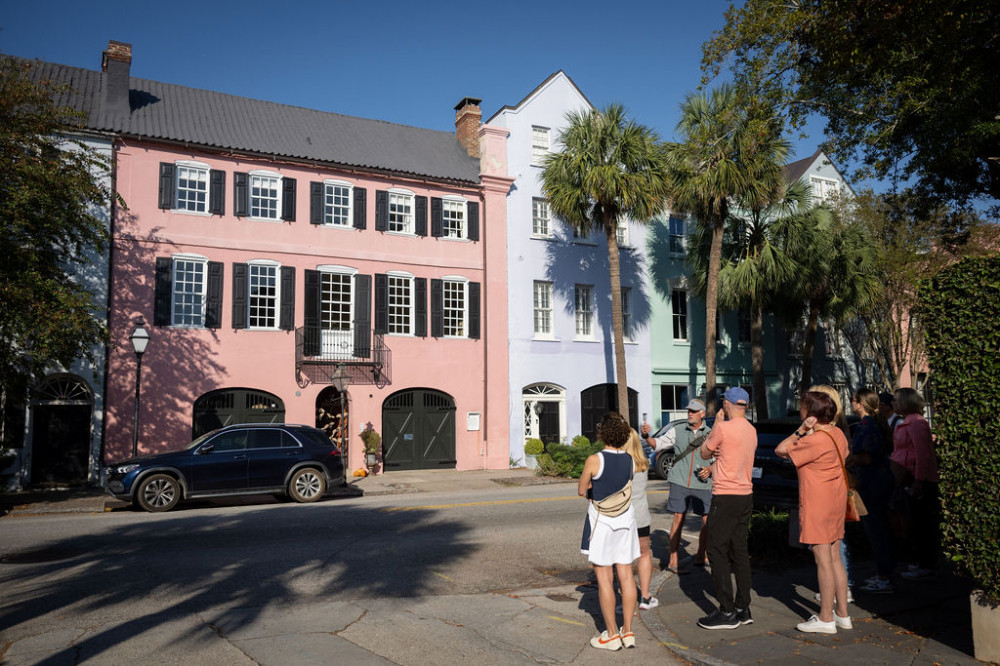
<point x="562" y="460"/>
<point x="960" y="312"/>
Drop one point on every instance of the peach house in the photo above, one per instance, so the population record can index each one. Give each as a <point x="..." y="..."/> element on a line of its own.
<point x="301" y="266"/>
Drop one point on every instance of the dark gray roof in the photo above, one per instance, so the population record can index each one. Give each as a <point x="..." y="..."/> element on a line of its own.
<point x="163" y="111"/>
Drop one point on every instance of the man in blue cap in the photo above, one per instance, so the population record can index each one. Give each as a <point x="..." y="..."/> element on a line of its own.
<point x="732" y="443"/>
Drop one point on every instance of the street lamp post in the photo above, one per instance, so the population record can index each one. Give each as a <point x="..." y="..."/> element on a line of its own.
<point x="139" y="338"/>
<point x="339" y="379"/>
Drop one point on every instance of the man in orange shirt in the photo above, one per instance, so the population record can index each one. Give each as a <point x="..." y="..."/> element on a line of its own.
<point x="732" y="443"/>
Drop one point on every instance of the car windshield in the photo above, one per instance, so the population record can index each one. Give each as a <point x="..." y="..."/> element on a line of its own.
<point x="199" y="440"/>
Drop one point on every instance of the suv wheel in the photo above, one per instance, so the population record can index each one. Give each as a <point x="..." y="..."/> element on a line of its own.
<point x="159" y="492"/>
<point x="664" y="462"/>
<point x="307" y="485"/>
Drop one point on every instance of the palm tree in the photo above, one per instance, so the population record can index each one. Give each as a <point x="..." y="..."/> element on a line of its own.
<point x="610" y="169"/>
<point x="729" y="152"/>
<point x="759" y="264"/>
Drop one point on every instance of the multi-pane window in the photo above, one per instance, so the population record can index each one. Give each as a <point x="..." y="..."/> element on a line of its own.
<point x="743" y="327"/>
<point x="191" y="188"/>
<point x="627" y="313"/>
<point x="540" y="218"/>
<point x="673" y="397"/>
<point x="584" y="311"/>
<point x="823" y="188"/>
<point x="676" y="233"/>
<point x="621" y="232"/>
<point x="455" y="314"/>
<point x="337" y="204"/>
<point x="265" y="196"/>
<point x="453" y="218"/>
<point x="679" y="310"/>
<point x="262" y="296"/>
<point x="335" y="301"/>
<point x="400" y="304"/>
<point x="543" y="309"/>
<point x="400" y="213"/>
<point x="539" y="145"/>
<point x="188" y="300"/>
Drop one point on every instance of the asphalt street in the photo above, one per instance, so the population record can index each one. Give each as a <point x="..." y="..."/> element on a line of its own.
<point x="463" y="576"/>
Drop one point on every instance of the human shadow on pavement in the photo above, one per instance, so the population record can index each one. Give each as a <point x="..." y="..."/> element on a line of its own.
<point x="322" y="551"/>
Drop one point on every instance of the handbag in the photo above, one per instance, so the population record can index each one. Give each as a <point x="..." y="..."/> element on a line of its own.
<point x="855" y="506"/>
<point x="616" y="503"/>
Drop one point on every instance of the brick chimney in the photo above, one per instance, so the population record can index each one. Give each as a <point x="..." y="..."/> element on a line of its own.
<point x="116" y="66"/>
<point x="467" y="118"/>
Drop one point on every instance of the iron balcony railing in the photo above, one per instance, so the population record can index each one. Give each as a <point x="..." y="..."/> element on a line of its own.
<point x="359" y="357"/>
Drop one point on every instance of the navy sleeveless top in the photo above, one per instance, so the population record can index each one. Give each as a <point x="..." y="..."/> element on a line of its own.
<point x="617" y="472"/>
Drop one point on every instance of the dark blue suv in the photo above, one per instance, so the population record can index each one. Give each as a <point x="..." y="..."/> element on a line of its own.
<point x="274" y="458"/>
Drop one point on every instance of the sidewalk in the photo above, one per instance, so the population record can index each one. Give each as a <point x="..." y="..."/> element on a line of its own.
<point x="925" y="622"/>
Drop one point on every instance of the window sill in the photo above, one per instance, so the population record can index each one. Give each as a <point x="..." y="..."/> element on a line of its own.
<point x="585" y="340"/>
<point x="342" y="227"/>
<point x="454" y="239"/>
<point x="272" y="220"/>
<point x="541" y="339"/>
<point x="682" y="343"/>
<point x="262" y="329"/>
<point x="401" y="335"/>
<point x="406" y="234"/>
<point x="581" y="241"/>
<point x="542" y="238"/>
<point x="188" y="327"/>
<point x="195" y="213"/>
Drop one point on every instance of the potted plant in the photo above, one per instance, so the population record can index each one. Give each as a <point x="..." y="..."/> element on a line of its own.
<point x="532" y="449"/>
<point x="372" y="445"/>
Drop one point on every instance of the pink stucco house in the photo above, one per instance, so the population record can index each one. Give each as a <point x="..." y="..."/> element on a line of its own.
<point x="287" y="261"/>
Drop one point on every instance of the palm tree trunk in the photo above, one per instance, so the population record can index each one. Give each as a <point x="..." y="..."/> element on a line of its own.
<point x="711" y="308"/>
<point x="809" y="346"/>
<point x="617" y="326"/>
<point x="757" y="358"/>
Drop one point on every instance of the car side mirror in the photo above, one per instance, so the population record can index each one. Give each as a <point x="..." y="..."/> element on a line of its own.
<point x="208" y="448"/>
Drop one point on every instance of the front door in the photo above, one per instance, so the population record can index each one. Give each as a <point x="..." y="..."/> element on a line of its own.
<point x="336" y="316"/>
<point x="597" y="400"/>
<point x="60" y="443"/>
<point x="419" y="430"/>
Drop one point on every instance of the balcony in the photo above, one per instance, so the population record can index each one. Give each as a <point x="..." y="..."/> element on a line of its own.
<point x="361" y="356"/>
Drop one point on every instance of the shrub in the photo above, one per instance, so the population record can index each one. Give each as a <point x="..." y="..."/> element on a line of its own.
<point x="533" y="447"/>
<point x="581" y="441"/>
<point x="767" y="542"/>
<point x="959" y="308"/>
<point x="562" y="460"/>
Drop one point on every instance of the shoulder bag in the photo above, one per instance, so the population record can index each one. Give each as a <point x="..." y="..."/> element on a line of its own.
<point x="855" y="507"/>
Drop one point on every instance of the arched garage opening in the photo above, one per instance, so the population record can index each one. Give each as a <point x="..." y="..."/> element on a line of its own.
<point x="418" y="430"/>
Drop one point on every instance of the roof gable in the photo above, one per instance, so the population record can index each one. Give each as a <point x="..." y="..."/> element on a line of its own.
<point x="559" y="76"/>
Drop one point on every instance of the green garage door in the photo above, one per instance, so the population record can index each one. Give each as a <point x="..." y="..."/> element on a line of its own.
<point x="218" y="409"/>
<point x="419" y="430"/>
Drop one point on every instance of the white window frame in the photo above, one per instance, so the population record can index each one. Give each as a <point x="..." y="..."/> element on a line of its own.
<point x="542" y="311"/>
<point x="584" y="317"/>
<point x="542" y="392"/>
<point x="202" y="263"/>
<point x="541" y="144"/>
<point x="462" y="205"/>
<point x="255" y="177"/>
<point x="676" y="316"/>
<point x="329" y="206"/>
<point x="627" y="314"/>
<point x="204" y="171"/>
<point x="682" y="236"/>
<point x="622" y="232"/>
<point x="823" y="188"/>
<point x="455" y="280"/>
<point x="408" y="278"/>
<point x="275" y="305"/>
<point x="541" y="218"/>
<point x="408" y="218"/>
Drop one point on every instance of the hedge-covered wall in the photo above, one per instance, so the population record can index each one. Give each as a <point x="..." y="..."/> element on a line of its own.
<point x="960" y="310"/>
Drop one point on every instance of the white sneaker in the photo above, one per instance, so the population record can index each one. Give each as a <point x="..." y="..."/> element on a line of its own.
<point x="648" y="603"/>
<point x="628" y="638"/>
<point x="842" y="622"/>
<point x="850" y="596"/>
<point x="814" y="625"/>
<point x="605" y="642"/>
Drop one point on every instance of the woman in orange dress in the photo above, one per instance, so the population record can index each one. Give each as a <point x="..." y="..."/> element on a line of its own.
<point x="817" y="448"/>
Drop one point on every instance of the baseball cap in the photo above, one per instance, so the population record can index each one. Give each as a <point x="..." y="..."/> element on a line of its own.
<point x="737" y="396"/>
<point x="696" y="406"/>
<point x="885" y="399"/>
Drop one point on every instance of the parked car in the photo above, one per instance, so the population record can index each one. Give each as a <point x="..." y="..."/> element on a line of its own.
<point x="661" y="461"/>
<point x="250" y="459"/>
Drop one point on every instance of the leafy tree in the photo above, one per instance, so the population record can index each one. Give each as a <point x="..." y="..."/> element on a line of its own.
<point x="730" y="150"/>
<point x="909" y="244"/>
<point x="910" y="88"/>
<point x="610" y="169"/>
<point x="49" y="229"/>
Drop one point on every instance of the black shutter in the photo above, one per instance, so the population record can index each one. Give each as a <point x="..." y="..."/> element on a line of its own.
<point x="381" y="303"/>
<point x="161" y="299"/>
<point x="241" y="194"/>
<point x="311" y="327"/>
<point x="362" y="316"/>
<point x="316" y="203"/>
<point x="437" y="308"/>
<point x="436" y="213"/>
<point x="217" y="192"/>
<point x="288" y="199"/>
<point x="239" y="295"/>
<point x="473" y="209"/>
<point x="287" y="317"/>
<point x="474" y="314"/>
<point x="420" y="307"/>
<point x="360" y="208"/>
<point x="381" y="210"/>
<point x="166" y="185"/>
<point x="213" y="306"/>
<point x="420" y="219"/>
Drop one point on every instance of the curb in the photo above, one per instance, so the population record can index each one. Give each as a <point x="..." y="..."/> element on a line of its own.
<point x="667" y="638"/>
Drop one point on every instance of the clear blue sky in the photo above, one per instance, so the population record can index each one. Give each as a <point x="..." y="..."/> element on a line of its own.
<point x="408" y="62"/>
